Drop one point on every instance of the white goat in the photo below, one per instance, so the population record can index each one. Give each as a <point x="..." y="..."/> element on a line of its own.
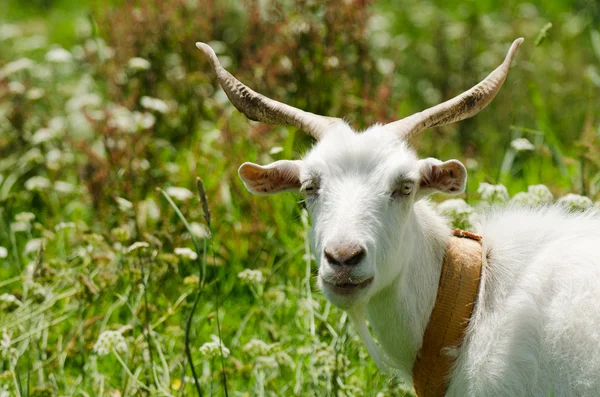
<point x="535" y="328"/>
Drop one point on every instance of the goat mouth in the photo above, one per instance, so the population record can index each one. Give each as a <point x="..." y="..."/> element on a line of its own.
<point x="347" y="288"/>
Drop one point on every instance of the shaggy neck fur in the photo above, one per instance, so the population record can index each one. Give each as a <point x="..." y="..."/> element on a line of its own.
<point x="399" y="313"/>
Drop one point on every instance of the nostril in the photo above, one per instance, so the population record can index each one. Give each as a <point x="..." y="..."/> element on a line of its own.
<point x="348" y="255"/>
<point x="356" y="258"/>
<point x="329" y="256"/>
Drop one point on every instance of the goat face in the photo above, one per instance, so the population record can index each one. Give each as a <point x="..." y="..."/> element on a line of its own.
<point x="359" y="189"/>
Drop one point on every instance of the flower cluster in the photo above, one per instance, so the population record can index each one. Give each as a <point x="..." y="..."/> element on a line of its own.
<point x="250" y="276"/>
<point x="257" y="347"/>
<point x="522" y="145"/>
<point x="186" y="253"/>
<point x="493" y="193"/>
<point x="109" y="341"/>
<point x="457" y="210"/>
<point x="179" y="193"/>
<point x="535" y="195"/>
<point x="575" y="202"/>
<point x="214" y="348"/>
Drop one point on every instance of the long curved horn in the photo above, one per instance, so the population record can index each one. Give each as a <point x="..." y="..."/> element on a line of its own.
<point x="460" y="107"/>
<point x="258" y="107"/>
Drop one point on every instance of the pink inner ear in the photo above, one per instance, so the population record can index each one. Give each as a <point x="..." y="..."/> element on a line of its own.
<point x="446" y="177"/>
<point x="277" y="177"/>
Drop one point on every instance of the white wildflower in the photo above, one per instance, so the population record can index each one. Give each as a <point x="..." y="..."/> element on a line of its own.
<point x="79" y="102"/>
<point x="33" y="155"/>
<point x="172" y="168"/>
<point x="9" y="31"/>
<point x="144" y="120"/>
<point x="306" y="306"/>
<point x="275" y="296"/>
<point x="257" y="347"/>
<point x="541" y="192"/>
<point x="250" y="276"/>
<point x="137" y="245"/>
<point x="3" y="252"/>
<point x="6" y="351"/>
<point x="26" y="217"/>
<point x="35" y="93"/>
<point x="155" y="104"/>
<point x="37" y="183"/>
<point x="493" y="193"/>
<point x="458" y="211"/>
<point x="213" y="349"/>
<point x="266" y="362"/>
<point x="284" y="359"/>
<point x="64" y="225"/>
<point x="471" y="163"/>
<point x="179" y="193"/>
<point x="275" y="150"/>
<point x="454" y="208"/>
<point x="16" y="66"/>
<point x="78" y="52"/>
<point x="304" y="350"/>
<point x="522" y="145"/>
<point x="44" y="135"/>
<point x="32" y="43"/>
<point x="324" y="357"/>
<point x="152" y="209"/>
<point x="59" y="55"/>
<point x="109" y="341"/>
<point x="54" y="159"/>
<point x="83" y="28"/>
<point x="122" y="119"/>
<point x="19" y="227"/>
<point x="9" y="299"/>
<point x="64" y="187"/>
<point x="33" y="245"/>
<point x="575" y="201"/>
<point x="121" y="233"/>
<point x="16" y="88"/>
<point x="199" y="230"/>
<point x="138" y="63"/>
<point x="124" y="205"/>
<point x="186" y="253"/>
<point x="57" y="123"/>
<point x="525" y="198"/>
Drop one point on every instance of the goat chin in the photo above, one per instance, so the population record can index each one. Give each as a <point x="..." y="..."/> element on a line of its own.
<point x="535" y="328"/>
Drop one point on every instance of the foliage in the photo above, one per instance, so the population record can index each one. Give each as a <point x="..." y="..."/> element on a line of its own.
<point x="98" y="272"/>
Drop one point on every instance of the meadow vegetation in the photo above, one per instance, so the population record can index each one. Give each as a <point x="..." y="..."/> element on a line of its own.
<point x="108" y="114"/>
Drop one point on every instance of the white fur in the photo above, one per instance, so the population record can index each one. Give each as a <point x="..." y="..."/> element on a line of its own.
<point x="536" y="325"/>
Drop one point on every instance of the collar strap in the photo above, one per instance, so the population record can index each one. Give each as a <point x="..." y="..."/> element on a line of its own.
<point x="454" y="302"/>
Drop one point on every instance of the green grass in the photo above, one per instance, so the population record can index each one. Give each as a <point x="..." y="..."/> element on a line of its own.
<point x="87" y="275"/>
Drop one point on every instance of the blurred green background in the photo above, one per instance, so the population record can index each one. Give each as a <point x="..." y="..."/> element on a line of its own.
<point x="103" y="103"/>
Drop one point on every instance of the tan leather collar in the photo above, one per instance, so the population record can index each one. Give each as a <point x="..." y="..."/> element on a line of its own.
<point x="456" y="295"/>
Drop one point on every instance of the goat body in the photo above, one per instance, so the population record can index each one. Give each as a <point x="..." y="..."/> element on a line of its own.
<point x="535" y="329"/>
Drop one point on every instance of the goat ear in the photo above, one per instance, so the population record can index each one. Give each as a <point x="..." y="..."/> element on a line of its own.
<point x="436" y="176"/>
<point x="280" y="176"/>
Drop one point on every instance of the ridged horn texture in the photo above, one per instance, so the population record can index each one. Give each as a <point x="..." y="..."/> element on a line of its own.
<point x="465" y="105"/>
<point x="258" y="107"/>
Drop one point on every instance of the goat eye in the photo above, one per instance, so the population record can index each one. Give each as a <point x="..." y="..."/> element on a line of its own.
<point x="309" y="188"/>
<point x="404" y="189"/>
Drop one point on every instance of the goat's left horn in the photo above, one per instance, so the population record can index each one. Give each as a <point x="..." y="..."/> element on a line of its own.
<point x="258" y="107"/>
<point x="463" y="106"/>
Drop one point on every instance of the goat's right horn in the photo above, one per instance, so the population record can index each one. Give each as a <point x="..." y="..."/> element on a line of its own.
<point x="258" y="107"/>
<point x="460" y="107"/>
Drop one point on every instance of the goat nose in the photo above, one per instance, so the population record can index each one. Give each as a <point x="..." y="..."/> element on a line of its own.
<point x="345" y="254"/>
